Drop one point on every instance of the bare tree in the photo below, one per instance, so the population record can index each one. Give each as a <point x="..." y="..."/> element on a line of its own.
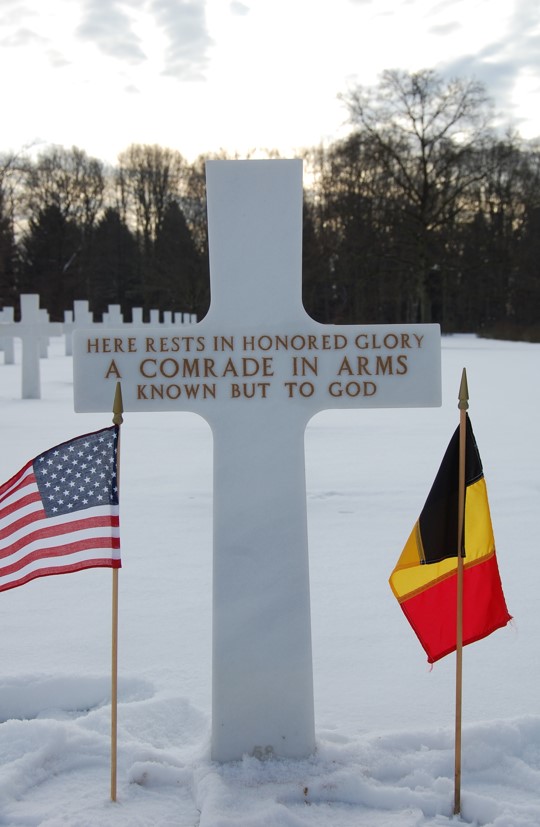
<point x="63" y="195"/>
<point x="69" y="180"/>
<point x="8" y="248"/>
<point x="427" y="133"/>
<point x="149" y="178"/>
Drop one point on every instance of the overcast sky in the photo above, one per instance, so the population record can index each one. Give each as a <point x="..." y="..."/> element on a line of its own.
<point x="200" y="75"/>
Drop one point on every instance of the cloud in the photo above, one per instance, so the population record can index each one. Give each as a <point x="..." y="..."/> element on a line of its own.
<point x="500" y="63"/>
<point x="119" y="28"/>
<point x="25" y="35"/>
<point x="239" y="8"/>
<point x="184" y="25"/>
<point x="436" y="9"/>
<point x="445" y="28"/>
<point x="106" y="24"/>
<point x="13" y="12"/>
<point x="22" y="37"/>
<point x="497" y="75"/>
<point x="57" y="59"/>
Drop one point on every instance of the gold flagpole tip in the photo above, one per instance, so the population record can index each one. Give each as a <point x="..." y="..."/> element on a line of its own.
<point x="463" y="392"/>
<point x="118" y="405"/>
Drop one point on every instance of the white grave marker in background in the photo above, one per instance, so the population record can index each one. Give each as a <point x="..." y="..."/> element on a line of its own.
<point x="32" y="328"/>
<point x="69" y="324"/>
<point x="113" y="316"/>
<point x="257" y="367"/>
<point x="44" y="340"/>
<point x="80" y="316"/>
<point x="81" y="311"/>
<point x="6" y="342"/>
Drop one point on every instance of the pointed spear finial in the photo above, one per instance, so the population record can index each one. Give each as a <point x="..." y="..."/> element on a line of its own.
<point x="118" y="405"/>
<point x="463" y="404"/>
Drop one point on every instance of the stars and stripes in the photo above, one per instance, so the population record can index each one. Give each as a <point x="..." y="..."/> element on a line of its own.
<point x="59" y="513"/>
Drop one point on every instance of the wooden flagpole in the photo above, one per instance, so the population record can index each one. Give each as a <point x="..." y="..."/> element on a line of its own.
<point x="463" y="406"/>
<point x="118" y="409"/>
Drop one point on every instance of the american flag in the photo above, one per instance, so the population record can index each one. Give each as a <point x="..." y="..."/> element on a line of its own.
<point x="60" y="512"/>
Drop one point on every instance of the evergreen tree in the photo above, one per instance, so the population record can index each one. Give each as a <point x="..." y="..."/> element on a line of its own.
<point x="179" y="285"/>
<point x="50" y="250"/>
<point x="114" y="263"/>
<point x="8" y="259"/>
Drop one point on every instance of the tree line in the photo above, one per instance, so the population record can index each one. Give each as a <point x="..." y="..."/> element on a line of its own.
<point x="423" y="213"/>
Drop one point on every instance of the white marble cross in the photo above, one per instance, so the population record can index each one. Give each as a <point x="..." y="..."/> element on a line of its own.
<point x="6" y="342"/>
<point x="137" y="316"/>
<point x="113" y="316"/>
<point x="257" y="367"/>
<point x="68" y="325"/>
<point x="82" y="314"/>
<point x="45" y="336"/>
<point x="32" y="329"/>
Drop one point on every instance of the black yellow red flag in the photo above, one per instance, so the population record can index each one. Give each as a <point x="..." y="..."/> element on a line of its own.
<point x="424" y="580"/>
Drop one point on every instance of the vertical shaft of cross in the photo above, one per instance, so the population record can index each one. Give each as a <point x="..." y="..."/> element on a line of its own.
<point x="31" y="384"/>
<point x="262" y="668"/>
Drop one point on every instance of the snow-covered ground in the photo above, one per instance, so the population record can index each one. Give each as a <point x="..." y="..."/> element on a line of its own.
<point x="384" y="721"/>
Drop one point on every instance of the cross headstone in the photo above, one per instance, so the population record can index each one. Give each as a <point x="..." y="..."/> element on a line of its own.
<point x="184" y="318"/>
<point x="113" y="316"/>
<point x="257" y="367"/>
<point x="6" y="342"/>
<point x="31" y="329"/>
<point x="80" y="316"/>
<point x="83" y="316"/>
<point x="45" y="340"/>
<point x="69" y="324"/>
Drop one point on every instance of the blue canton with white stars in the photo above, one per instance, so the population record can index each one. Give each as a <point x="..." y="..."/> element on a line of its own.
<point x="78" y="474"/>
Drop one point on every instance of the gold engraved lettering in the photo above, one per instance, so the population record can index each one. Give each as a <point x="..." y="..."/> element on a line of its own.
<point x="249" y="390"/>
<point x="352" y="389"/>
<point x="302" y="365"/>
<point x="112" y="370"/>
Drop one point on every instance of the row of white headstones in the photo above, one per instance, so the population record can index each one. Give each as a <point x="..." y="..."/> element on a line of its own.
<point x="35" y="330"/>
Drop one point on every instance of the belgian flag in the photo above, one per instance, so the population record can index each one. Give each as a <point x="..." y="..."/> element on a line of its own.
<point x="424" y="580"/>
